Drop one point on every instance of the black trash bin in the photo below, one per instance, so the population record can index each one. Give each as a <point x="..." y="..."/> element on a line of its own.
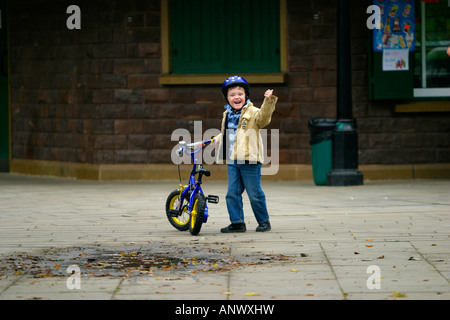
<point x="321" y="148"/>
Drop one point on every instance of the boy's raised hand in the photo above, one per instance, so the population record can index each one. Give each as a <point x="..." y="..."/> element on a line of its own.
<point x="268" y="93"/>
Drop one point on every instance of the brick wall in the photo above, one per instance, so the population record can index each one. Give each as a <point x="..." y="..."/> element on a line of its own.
<point x="92" y="95"/>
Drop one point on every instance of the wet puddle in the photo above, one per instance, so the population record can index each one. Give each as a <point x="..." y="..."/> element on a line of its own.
<point x="99" y="261"/>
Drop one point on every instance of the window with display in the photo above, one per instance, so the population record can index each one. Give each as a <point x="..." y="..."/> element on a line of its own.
<point x="420" y="31"/>
<point x="432" y="63"/>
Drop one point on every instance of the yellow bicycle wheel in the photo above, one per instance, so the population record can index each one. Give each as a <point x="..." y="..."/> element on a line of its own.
<point x="176" y="210"/>
<point x="198" y="210"/>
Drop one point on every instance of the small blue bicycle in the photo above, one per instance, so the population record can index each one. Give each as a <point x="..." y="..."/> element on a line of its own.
<point x="186" y="207"/>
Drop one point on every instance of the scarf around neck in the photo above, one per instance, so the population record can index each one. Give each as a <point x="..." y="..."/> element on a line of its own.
<point x="233" y="116"/>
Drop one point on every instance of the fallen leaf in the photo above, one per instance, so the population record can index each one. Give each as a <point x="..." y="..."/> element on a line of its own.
<point x="47" y="275"/>
<point x="380" y="257"/>
<point x="227" y="292"/>
<point x="369" y="245"/>
<point x="104" y="264"/>
<point x="310" y="294"/>
<point x="399" y="294"/>
<point x="294" y="270"/>
<point x="368" y="239"/>
<point x="102" y="275"/>
<point x="251" y="294"/>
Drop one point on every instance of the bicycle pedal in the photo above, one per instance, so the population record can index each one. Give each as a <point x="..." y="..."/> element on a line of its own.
<point x="212" y="199"/>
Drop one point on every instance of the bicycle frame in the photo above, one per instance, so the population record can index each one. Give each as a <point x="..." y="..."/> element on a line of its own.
<point x="194" y="186"/>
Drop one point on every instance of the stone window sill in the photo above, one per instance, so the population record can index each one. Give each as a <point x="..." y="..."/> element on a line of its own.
<point x="194" y="79"/>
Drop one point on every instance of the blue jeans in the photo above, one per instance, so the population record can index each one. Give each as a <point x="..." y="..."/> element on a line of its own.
<point x="245" y="177"/>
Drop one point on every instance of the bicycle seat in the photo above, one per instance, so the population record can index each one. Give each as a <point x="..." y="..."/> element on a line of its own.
<point x="203" y="171"/>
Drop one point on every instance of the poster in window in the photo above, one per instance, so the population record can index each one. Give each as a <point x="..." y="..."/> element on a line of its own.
<point x="395" y="60"/>
<point x="397" y="25"/>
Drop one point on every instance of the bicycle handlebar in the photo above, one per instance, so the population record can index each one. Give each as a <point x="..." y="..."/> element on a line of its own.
<point x="192" y="146"/>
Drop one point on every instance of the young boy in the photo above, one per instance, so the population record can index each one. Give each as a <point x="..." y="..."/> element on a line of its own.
<point x="241" y="147"/>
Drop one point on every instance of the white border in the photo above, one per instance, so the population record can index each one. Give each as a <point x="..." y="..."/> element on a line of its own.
<point x="431" y="92"/>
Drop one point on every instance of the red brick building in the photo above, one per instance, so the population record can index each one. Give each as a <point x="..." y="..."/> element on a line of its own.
<point x="90" y="102"/>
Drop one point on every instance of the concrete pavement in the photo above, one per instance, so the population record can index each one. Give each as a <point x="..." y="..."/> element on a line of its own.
<point x="383" y="240"/>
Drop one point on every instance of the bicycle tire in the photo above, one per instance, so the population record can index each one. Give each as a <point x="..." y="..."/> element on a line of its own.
<point x="180" y="222"/>
<point x="198" y="210"/>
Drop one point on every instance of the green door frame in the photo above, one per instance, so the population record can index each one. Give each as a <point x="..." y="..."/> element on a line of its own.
<point x="5" y="132"/>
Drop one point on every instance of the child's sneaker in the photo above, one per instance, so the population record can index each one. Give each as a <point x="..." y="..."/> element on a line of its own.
<point x="263" y="227"/>
<point x="234" y="227"/>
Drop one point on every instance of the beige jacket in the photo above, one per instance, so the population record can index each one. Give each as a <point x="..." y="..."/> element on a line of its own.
<point x="248" y="144"/>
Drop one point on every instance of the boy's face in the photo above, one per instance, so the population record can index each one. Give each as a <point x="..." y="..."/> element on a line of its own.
<point x="236" y="97"/>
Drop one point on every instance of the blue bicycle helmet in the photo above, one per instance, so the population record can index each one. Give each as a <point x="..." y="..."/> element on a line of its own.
<point x="235" y="81"/>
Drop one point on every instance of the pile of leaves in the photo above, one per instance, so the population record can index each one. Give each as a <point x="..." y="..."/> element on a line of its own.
<point x="99" y="261"/>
